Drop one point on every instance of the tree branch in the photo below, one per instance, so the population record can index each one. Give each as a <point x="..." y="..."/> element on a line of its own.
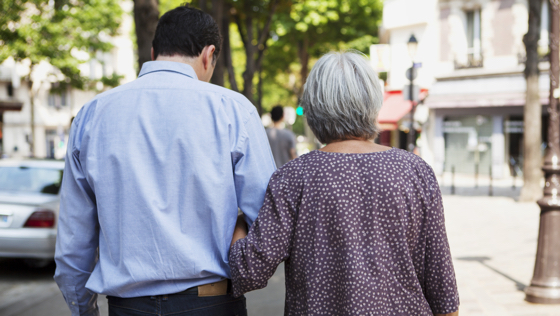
<point x="260" y="56"/>
<point x="265" y="32"/>
<point x="240" y="29"/>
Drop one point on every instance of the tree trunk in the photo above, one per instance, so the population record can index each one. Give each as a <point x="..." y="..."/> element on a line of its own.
<point x="249" y="72"/>
<point x="203" y="5"/>
<point x="146" y="16"/>
<point x="227" y="50"/>
<point x="31" y="137"/>
<point x="259" y="91"/>
<point x="255" y="46"/>
<point x="218" y="13"/>
<point x="532" y="159"/>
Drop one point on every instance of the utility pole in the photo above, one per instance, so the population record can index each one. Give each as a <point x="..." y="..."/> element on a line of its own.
<point x="412" y="45"/>
<point x="411" y="137"/>
<point x="545" y="285"/>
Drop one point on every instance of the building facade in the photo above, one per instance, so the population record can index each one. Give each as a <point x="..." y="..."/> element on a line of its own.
<point x="472" y="56"/>
<point x="477" y="100"/>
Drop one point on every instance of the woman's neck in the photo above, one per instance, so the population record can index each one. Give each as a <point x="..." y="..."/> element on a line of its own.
<point x="354" y="146"/>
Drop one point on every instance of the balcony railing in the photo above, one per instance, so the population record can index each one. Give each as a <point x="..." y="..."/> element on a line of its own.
<point x="469" y="61"/>
<point x="522" y="57"/>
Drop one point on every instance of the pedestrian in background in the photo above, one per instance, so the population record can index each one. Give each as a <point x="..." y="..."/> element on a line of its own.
<point x="282" y="141"/>
<point x="360" y="226"/>
<point x="155" y="172"/>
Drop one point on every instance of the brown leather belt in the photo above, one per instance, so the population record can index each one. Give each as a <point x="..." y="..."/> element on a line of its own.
<point x="210" y="289"/>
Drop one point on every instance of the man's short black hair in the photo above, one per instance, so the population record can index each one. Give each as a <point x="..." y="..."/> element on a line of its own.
<point x="277" y="113"/>
<point x="186" y="31"/>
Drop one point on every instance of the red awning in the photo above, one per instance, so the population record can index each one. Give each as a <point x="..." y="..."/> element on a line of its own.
<point x="394" y="108"/>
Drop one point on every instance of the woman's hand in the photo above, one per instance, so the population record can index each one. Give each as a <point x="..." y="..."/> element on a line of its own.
<point x="240" y="230"/>
<point x="450" y="314"/>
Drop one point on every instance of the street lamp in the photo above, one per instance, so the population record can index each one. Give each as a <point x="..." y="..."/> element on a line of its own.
<point x="412" y="47"/>
<point x="545" y="285"/>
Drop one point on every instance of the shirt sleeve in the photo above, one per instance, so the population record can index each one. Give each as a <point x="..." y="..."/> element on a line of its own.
<point x="253" y="166"/>
<point x="254" y="259"/>
<point x="78" y="235"/>
<point x="440" y="285"/>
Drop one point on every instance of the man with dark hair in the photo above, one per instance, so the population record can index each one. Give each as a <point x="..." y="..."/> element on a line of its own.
<point x="282" y="141"/>
<point x="156" y="171"/>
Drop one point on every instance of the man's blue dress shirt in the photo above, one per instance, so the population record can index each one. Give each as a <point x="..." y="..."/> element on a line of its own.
<point x="155" y="172"/>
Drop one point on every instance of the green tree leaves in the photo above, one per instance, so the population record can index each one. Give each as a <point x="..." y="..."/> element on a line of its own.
<point x="57" y="31"/>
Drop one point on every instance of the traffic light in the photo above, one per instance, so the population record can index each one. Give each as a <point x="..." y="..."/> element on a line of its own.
<point x="299" y="110"/>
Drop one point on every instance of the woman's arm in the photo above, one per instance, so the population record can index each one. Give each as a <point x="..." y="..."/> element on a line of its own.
<point x="254" y="259"/>
<point x="439" y="283"/>
<point x="450" y="314"/>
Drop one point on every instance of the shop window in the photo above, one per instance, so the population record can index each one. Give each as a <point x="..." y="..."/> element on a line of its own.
<point x="468" y="144"/>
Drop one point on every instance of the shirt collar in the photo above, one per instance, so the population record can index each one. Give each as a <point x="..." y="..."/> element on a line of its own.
<point x="181" y="68"/>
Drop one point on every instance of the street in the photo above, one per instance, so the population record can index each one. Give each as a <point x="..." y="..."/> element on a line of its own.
<point x="32" y="292"/>
<point x="493" y="243"/>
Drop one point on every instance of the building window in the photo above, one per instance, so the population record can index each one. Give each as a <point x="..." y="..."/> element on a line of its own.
<point x="545" y="29"/>
<point x="472" y="58"/>
<point x="58" y="99"/>
<point x="474" y="50"/>
<point x="10" y="90"/>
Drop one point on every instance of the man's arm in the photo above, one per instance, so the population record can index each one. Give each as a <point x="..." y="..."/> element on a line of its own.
<point x="252" y="168"/>
<point x="78" y="235"/>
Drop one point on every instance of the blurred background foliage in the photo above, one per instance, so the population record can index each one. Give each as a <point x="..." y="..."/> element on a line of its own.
<point x="301" y="32"/>
<point x="64" y="33"/>
<point x="269" y="45"/>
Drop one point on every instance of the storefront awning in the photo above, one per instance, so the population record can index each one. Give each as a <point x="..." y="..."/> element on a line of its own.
<point x="497" y="91"/>
<point x="395" y="107"/>
<point x="10" y="106"/>
<point x="480" y="100"/>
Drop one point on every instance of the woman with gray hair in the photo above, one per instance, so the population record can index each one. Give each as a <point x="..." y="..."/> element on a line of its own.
<point x="360" y="226"/>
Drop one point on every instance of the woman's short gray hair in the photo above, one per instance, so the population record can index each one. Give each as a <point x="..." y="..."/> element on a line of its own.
<point x="342" y="98"/>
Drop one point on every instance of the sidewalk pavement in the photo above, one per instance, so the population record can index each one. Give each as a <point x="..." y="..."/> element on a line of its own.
<point x="493" y="242"/>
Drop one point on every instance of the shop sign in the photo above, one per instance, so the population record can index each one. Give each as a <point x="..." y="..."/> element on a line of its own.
<point x="514" y="127"/>
<point x="456" y="127"/>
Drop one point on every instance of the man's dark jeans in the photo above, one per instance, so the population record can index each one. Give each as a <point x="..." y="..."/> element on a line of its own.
<point x="178" y="305"/>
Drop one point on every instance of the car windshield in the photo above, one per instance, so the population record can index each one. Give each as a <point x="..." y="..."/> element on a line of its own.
<point x="30" y="180"/>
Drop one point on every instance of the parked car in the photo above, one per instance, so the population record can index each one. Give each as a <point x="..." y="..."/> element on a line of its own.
<point x="29" y="204"/>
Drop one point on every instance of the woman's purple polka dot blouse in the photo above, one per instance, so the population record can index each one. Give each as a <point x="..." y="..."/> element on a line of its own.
<point x="360" y="234"/>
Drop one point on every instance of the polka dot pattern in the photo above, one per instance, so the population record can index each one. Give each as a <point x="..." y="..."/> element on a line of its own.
<point x="360" y="234"/>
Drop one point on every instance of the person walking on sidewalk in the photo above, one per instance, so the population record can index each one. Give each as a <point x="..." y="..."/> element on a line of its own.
<point x="282" y="141"/>
<point x="155" y="172"/>
<point x="360" y="226"/>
